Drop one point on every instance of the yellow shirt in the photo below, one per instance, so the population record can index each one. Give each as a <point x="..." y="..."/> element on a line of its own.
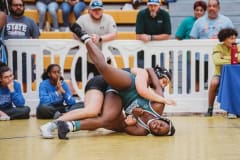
<point x="222" y="55"/>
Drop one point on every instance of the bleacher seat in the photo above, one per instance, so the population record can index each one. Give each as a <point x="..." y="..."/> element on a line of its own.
<point x="69" y="35"/>
<point x="121" y="17"/>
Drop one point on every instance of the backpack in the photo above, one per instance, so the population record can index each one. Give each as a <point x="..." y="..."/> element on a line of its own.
<point x="3" y="48"/>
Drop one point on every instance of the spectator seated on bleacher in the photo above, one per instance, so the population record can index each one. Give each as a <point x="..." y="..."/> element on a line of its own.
<point x="68" y="6"/>
<point x="51" y="6"/>
<point x="133" y="5"/>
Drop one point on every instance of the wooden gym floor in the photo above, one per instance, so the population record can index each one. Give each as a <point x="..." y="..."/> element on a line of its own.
<point x="196" y="138"/>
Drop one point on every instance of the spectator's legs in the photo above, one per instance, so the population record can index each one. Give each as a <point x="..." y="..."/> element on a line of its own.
<point x="52" y="8"/>
<point x="77" y="105"/>
<point x="18" y="112"/>
<point x="48" y="111"/>
<point x="78" y="9"/>
<point x="42" y="8"/>
<point x="212" y="94"/>
<point x="66" y="9"/>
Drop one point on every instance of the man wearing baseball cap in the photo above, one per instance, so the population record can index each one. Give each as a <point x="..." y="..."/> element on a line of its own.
<point x="100" y="26"/>
<point x="152" y="24"/>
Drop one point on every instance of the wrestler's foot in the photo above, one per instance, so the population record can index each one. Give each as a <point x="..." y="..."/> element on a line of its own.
<point x="47" y="129"/>
<point x="209" y="112"/>
<point x="75" y="28"/>
<point x="63" y="130"/>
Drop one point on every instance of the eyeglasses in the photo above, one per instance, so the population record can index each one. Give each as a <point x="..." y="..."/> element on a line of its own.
<point x="16" y="5"/>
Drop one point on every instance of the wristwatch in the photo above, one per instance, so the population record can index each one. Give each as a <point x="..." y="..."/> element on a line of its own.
<point x="100" y="39"/>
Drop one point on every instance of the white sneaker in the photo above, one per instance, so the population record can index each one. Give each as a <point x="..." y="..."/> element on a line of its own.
<point x="47" y="129"/>
<point x="56" y="30"/>
<point x="67" y="29"/>
<point x="231" y="116"/>
<point x="4" y="118"/>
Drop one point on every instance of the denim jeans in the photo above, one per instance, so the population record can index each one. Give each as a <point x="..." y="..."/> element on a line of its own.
<point x="67" y="9"/>
<point x="52" y="8"/>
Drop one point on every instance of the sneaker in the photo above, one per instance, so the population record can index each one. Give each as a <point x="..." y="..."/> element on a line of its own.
<point x="67" y="29"/>
<point x="4" y="118"/>
<point x="231" y="116"/>
<point x="209" y="112"/>
<point x="56" y="30"/>
<point x="47" y="129"/>
<point x="63" y="129"/>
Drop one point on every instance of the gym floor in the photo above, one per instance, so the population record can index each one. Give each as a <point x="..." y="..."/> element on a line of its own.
<point x="196" y="138"/>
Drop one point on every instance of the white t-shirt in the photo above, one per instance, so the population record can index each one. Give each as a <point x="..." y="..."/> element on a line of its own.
<point x="104" y="26"/>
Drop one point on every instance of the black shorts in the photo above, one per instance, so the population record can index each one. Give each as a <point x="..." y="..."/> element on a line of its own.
<point x="98" y="83"/>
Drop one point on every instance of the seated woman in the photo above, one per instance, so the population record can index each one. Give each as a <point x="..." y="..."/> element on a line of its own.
<point x="221" y="55"/>
<point x="53" y="93"/>
<point x="10" y="96"/>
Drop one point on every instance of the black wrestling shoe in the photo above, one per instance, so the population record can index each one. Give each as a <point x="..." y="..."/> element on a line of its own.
<point x="209" y="112"/>
<point x="62" y="129"/>
<point x="75" y="28"/>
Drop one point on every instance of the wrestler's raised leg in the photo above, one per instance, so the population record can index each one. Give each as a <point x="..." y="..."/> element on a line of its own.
<point x="117" y="78"/>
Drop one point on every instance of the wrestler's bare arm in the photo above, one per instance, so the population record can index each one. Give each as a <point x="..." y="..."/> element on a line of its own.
<point x="141" y="83"/>
<point x="136" y="130"/>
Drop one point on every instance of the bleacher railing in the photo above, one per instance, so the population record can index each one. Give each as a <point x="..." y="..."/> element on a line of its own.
<point x="171" y="54"/>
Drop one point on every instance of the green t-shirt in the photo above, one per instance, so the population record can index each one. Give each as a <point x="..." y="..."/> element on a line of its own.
<point x="184" y="29"/>
<point x="145" y="24"/>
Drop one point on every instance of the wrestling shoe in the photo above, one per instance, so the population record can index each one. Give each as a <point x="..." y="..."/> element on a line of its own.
<point x="47" y="129"/>
<point x="209" y="112"/>
<point x="63" y="129"/>
<point x="75" y="28"/>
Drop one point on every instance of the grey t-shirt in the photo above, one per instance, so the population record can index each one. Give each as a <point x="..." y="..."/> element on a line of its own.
<point x="21" y="28"/>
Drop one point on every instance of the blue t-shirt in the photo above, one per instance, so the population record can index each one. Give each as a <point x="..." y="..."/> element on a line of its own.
<point x="205" y="28"/>
<point x="21" y="28"/>
<point x="184" y="29"/>
<point x="48" y="94"/>
<point x="8" y="98"/>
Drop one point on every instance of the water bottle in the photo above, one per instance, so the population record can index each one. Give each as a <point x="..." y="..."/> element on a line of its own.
<point x="234" y="54"/>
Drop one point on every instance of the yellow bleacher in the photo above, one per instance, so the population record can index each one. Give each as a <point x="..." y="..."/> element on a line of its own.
<point x="88" y="1"/>
<point x="69" y="35"/>
<point x="121" y="17"/>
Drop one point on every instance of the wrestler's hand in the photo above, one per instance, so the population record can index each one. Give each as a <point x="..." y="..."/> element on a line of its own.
<point x="130" y="120"/>
<point x="137" y="112"/>
<point x="170" y="102"/>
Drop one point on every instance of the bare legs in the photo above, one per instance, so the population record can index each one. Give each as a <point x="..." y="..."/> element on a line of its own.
<point x="93" y="102"/>
<point x="111" y="116"/>
<point x="116" y="78"/>
<point x="212" y="94"/>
